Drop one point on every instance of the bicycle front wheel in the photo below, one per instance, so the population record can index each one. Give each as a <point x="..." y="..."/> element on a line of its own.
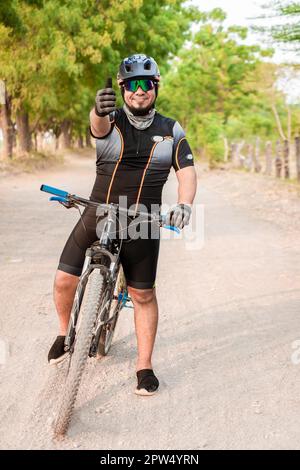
<point x="90" y="306"/>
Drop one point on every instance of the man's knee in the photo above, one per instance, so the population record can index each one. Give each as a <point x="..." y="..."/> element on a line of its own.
<point x="141" y="296"/>
<point x="65" y="281"/>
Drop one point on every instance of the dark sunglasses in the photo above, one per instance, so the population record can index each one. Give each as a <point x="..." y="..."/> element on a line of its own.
<point x="133" y="85"/>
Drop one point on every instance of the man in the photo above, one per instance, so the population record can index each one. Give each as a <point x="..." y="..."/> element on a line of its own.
<point x="136" y="148"/>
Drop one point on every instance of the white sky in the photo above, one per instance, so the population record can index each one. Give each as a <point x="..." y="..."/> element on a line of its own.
<point x="242" y="13"/>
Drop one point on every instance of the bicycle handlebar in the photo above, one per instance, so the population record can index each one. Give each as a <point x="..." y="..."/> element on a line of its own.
<point x="66" y="198"/>
<point x="52" y="190"/>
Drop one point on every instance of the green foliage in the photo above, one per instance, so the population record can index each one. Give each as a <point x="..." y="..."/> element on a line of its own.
<point x="209" y="87"/>
<point x="289" y="30"/>
<point x="55" y="55"/>
<point x="68" y="48"/>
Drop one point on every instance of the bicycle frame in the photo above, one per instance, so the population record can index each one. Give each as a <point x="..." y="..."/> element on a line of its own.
<point x="101" y="250"/>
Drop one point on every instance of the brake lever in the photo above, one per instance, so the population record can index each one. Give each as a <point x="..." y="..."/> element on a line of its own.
<point x="68" y="205"/>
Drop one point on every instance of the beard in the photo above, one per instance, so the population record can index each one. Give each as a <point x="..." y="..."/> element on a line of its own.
<point x="141" y="111"/>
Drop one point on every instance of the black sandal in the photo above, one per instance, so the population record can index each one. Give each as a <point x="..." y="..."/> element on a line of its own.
<point x="147" y="382"/>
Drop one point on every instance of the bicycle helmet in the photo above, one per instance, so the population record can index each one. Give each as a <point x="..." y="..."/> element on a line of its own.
<point x="138" y="65"/>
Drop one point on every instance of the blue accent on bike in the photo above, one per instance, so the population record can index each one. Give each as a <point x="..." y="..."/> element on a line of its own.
<point x="171" y="227"/>
<point x="56" y="191"/>
<point x="124" y="300"/>
<point x="58" y="198"/>
<point x="122" y="297"/>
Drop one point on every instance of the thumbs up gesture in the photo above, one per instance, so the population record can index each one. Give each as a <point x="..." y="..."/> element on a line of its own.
<point x="105" y="101"/>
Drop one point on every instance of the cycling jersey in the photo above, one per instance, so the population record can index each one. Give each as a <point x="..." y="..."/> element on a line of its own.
<point x="133" y="163"/>
<point x="136" y="163"/>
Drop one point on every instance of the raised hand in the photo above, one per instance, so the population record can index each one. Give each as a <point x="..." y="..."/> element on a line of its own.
<point x="105" y="101"/>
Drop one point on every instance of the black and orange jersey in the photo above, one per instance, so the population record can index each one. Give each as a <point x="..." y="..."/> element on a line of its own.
<point x="136" y="163"/>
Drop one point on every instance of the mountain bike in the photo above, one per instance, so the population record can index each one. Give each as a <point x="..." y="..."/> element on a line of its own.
<point x="100" y="296"/>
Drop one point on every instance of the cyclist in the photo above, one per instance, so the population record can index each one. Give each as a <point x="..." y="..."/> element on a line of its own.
<point x="136" y="148"/>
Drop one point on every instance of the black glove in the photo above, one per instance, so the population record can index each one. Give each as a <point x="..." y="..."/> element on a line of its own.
<point x="179" y="216"/>
<point x="105" y="101"/>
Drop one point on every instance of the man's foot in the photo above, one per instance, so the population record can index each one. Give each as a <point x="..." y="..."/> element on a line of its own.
<point x="57" y="352"/>
<point x="147" y="382"/>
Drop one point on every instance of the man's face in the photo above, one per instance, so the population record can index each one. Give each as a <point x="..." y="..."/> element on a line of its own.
<point x="139" y="100"/>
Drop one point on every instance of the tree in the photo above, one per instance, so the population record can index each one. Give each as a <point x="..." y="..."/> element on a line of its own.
<point x="209" y="83"/>
<point x="67" y="49"/>
<point x="288" y="32"/>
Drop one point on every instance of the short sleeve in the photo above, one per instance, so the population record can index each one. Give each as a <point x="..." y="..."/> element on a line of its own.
<point x="182" y="153"/>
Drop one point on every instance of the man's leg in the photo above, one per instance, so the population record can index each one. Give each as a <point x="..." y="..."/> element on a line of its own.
<point x="64" y="291"/>
<point x="146" y="319"/>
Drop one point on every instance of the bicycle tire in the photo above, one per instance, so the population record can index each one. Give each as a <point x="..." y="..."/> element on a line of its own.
<point x="108" y="329"/>
<point x="88" y="311"/>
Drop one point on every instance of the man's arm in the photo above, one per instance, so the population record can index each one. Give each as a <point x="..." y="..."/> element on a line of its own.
<point x="179" y="215"/>
<point x="100" y="126"/>
<point x="105" y="103"/>
<point x="187" y="185"/>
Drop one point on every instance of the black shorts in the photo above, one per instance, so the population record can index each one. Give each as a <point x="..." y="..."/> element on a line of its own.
<point x="138" y="257"/>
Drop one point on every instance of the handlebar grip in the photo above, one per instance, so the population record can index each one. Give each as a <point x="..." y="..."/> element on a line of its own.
<point x="171" y="227"/>
<point x="56" y="191"/>
<point x="58" y="198"/>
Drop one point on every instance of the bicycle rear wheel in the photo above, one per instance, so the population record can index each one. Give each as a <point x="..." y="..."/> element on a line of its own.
<point x="89" y="309"/>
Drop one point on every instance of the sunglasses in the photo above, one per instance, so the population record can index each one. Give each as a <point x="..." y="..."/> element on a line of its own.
<point x="133" y="85"/>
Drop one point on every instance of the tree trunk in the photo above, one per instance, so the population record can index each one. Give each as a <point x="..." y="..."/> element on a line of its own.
<point x="80" y="142"/>
<point x="297" y="143"/>
<point x="231" y="152"/>
<point x="286" y="151"/>
<point x="88" y="137"/>
<point x="24" y="135"/>
<point x="6" y="125"/>
<point x="278" y="161"/>
<point x="268" y="170"/>
<point x="249" y="158"/>
<point x="65" y="135"/>
<point x="226" y="149"/>
<point x="35" y="142"/>
<point x="257" y="165"/>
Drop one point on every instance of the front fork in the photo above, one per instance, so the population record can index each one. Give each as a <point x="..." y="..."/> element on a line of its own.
<point x="70" y="336"/>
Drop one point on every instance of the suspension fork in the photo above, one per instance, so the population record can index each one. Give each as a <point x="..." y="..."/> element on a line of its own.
<point x="77" y="300"/>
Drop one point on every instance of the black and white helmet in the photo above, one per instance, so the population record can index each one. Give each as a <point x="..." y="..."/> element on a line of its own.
<point x="138" y="65"/>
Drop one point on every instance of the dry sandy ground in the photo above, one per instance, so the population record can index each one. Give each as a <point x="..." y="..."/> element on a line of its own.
<point x="229" y="317"/>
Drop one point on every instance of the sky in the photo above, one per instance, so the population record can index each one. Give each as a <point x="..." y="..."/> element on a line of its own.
<point x="243" y="13"/>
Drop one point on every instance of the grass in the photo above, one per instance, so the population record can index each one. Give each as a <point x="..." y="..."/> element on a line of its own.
<point x="30" y="163"/>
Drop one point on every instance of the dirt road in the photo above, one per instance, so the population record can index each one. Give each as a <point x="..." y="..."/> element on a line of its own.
<point x="229" y="318"/>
